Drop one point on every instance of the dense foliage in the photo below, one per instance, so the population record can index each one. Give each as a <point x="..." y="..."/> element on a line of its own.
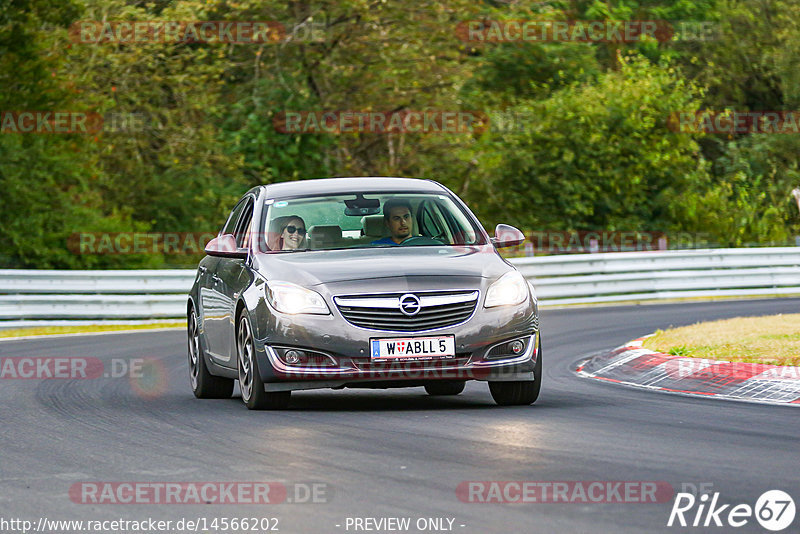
<point x="578" y="138"/>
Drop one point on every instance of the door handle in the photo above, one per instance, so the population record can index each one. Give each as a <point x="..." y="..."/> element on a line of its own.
<point x="202" y="269"/>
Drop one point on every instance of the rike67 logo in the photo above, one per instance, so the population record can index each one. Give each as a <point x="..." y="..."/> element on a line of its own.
<point x="774" y="510"/>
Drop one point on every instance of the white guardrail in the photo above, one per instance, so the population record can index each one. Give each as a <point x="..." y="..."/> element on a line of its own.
<point x="35" y="296"/>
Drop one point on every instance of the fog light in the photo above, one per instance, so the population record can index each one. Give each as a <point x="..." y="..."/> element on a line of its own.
<point x="516" y="347"/>
<point x="293" y="356"/>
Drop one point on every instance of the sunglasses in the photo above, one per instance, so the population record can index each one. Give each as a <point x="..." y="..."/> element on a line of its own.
<point x="292" y="229"/>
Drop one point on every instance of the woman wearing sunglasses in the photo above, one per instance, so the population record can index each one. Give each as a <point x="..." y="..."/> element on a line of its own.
<point x="293" y="234"/>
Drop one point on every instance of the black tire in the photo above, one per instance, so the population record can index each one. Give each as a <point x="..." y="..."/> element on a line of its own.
<point x="250" y="383"/>
<point x="446" y="387"/>
<point x="204" y="384"/>
<point x="520" y="393"/>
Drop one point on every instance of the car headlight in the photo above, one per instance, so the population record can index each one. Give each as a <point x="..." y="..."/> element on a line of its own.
<point x="511" y="288"/>
<point x="293" y="299"/>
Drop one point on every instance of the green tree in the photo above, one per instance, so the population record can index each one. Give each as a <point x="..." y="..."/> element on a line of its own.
<point x="594" y="156"/>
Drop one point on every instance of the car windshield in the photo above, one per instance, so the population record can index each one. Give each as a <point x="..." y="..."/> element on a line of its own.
<point x="357" y="221"/>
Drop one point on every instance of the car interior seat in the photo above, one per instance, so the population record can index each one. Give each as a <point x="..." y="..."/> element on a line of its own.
<point x="324" y="236"/>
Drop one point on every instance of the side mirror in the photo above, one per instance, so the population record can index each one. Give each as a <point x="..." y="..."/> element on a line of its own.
<point x="224" y="246"/>
<point x="507" y="236"/>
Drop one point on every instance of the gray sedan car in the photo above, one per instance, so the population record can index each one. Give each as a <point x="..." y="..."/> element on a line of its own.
<point x="360" y="282"/>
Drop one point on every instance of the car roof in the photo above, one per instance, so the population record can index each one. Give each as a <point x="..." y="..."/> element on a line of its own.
<point x="363" y="184"/>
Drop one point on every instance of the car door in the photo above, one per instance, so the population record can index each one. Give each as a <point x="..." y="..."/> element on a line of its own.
<point x="214" y="304"/>
<point x="232" y="279"/>
<point x="205" y="291"/>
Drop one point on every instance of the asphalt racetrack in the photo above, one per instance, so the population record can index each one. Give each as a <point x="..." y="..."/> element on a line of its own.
<point x="392" y="453"/>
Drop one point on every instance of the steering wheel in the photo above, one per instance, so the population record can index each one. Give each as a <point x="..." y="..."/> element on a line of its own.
<point x="420" y="240"/>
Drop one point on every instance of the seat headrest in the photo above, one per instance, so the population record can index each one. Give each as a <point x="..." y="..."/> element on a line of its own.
<point x="323" y="235"/>
<point x="374" y="226"/>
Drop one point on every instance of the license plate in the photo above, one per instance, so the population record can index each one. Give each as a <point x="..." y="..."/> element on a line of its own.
<point x="413" y="348"/>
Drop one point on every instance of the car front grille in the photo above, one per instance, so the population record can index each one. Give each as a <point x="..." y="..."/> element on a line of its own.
<point x="437" y="309"/>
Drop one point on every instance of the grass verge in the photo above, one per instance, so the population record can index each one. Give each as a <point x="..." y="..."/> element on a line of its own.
<point x="82" y="329"/>
<point x="773" y="339"/>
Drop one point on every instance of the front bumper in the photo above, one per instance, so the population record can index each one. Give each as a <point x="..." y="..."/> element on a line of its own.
<point x="400" y="374"/>
<point x="348" y="347"/>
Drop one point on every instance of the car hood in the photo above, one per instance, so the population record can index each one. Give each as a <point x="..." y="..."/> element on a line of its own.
<point x="312" y="268"/>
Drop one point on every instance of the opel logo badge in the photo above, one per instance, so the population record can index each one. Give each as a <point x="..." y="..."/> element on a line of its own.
<point x="409" y="304"/>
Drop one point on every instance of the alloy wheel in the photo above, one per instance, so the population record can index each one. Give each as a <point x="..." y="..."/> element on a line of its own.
<point x="194" y="350"/>
<point x="245" y="351"/>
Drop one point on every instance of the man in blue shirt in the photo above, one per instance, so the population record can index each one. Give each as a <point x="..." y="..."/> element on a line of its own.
<point x="397" y="217"/>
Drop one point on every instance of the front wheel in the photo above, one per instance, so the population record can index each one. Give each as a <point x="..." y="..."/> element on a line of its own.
<point x="250" y="383"/>
<point x="204" y="384"/>
<point x="520" y="393"/>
